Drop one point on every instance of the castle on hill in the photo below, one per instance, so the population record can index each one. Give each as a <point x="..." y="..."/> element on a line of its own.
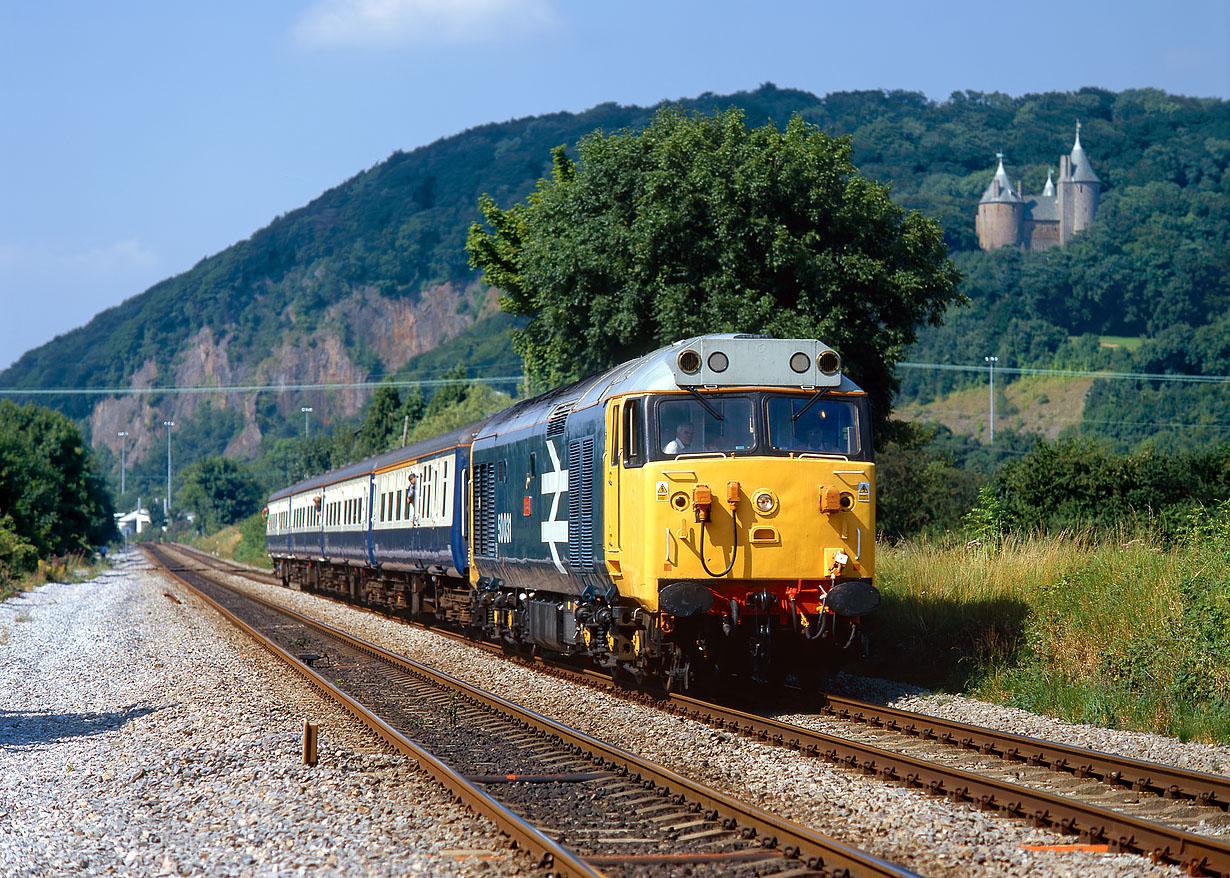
<point x="1007" y="218"/>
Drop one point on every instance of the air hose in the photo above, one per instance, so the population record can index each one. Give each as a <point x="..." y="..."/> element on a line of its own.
<point x="734" y="550"/>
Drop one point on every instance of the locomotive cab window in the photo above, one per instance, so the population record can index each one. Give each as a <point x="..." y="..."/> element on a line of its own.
<point x="803" y="424"/>
<point x="722" y="424"/>
<point x="634" y="432"/>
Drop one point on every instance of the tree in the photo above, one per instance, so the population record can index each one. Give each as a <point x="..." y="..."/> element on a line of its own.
<point x="220" y="492"/>
<point x="380" y="421"/>
<point x="699" y="224"/>
<point x="451" y="393"/>
<point x="51" y="495"/>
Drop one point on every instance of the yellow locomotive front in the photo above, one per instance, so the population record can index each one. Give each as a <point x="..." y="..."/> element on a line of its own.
<point x="740" y="508"/>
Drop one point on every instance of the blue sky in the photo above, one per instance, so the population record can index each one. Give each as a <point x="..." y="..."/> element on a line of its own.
<point x="140" y="136"/>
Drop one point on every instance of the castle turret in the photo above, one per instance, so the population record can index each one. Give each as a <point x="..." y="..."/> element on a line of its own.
<point x="1079" y="190"/>
<point x="1049" y="190"/>
<point x="1000" y="213"/>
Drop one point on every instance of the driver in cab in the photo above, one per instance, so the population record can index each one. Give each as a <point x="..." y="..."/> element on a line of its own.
<point x="684" y="434"/>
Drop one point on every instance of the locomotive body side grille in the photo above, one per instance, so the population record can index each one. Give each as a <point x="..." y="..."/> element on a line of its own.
<point x="581" y="504"/>
<point x="484" y="510"/>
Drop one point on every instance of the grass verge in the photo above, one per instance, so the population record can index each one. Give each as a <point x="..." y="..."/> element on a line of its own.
<point x="1111" y="631"/>
<point x="243" y="542"/>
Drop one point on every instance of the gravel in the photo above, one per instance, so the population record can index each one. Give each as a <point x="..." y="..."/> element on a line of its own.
<point x="153" y="740"/>
<point x="1212" y="758"/>
<point x="140" y="736"/>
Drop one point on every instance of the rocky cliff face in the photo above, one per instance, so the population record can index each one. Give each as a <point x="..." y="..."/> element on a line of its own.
<point x="352" y="330"/>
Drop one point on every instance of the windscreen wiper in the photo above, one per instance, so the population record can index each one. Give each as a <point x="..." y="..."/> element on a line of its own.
<point x="815" y="399"/>
<point x="708" y="406"/>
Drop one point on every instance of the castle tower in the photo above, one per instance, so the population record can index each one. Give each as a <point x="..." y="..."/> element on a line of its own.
<point x="1001" y="213"/>
<point x="1079" y="190"/>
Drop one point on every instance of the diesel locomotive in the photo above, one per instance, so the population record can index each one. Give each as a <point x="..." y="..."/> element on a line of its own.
<point x="702" y="511"/>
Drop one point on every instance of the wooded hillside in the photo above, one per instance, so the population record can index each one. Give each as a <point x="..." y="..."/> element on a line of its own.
<point x="373" y="272"/>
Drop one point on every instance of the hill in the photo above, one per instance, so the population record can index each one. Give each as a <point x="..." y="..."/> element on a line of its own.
<point x="372" y="274"/>
<point x="1042" y="405"/>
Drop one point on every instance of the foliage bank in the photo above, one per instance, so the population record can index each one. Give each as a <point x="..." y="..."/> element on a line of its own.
<point x="1078" y="483"/>
<point x="52" y="499"/>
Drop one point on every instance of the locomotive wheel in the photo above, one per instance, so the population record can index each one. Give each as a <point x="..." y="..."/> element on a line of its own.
<point x="677" y="675"/>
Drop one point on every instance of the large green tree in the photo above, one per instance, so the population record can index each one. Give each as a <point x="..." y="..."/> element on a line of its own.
<point x="700" y="224"/>
<point x="51" y="495"/>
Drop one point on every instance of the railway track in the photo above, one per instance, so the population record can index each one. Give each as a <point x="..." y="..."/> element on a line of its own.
<point x="994" y="786"/>
<point x="584" y="807"/>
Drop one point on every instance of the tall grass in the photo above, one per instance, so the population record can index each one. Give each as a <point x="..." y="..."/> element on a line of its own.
<point x="76" y="567"/>
<point x="1111" y="629"/>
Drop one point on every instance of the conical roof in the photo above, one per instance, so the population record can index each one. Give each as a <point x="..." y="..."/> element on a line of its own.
<point x="1049" y="190"/>
<point x="1000" y="189"/>
<point x="1082" y="172"/>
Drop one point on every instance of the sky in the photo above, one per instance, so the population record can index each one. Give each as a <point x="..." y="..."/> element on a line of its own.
<point x="139" y="136"/>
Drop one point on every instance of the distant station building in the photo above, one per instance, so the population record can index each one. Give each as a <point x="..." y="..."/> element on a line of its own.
<point x="132" y="523"/>
<point x="1007" y="218"/>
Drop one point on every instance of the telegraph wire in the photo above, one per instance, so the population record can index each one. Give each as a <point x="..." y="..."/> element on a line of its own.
<point x="516" y="379"/>
<point x="254" y="388"/>
<point x="1071" y="373"/>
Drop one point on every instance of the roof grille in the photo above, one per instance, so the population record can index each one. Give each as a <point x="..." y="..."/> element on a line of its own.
<point x="559" y="414"/>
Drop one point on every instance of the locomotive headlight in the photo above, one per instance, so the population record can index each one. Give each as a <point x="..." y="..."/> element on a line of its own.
<point x="828" y="362"/>
<point x="765" y="502"/>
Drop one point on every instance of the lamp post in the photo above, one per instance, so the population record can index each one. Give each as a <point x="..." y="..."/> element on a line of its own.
<point x="123" y="434"/>
<point x="991" y="361"/>
<point x="307" y="409"/>
<point x="166" y="503"/>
